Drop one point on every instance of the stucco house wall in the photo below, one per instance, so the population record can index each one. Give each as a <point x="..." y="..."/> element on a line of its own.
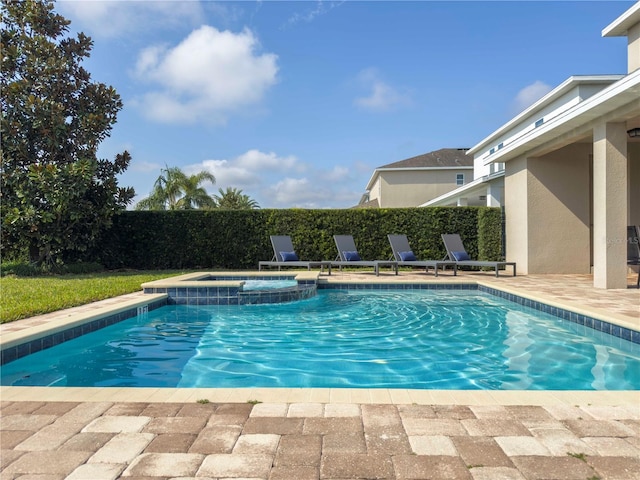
<point x="633" y="152"/>
<point x="550" y="233"/>
<point x="633" y="49"/>
<point x="414" y="187"/>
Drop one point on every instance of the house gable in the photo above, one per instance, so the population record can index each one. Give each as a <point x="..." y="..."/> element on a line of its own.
<point x="445" y="158"/>
<point x="415" y="180"/>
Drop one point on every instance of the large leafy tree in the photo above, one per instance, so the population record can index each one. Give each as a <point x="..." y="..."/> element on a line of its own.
<point x="234" y="199"/>
<point x="56" y="195"/>
<point x="174" y="190"/>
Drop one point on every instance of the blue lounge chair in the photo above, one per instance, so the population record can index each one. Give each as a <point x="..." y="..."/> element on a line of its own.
<point x="405" y="257"/>
<point x="348" y="256"/>
<point x="457" y="253"/>
<point x="284" y="255"/>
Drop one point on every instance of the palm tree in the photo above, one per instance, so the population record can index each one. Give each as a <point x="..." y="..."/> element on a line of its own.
<point x="173" y="190"/>
<point x="195" y="196"/>
<point x="234" y="199"/>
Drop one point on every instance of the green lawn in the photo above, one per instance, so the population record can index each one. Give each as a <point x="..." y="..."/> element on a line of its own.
<point x="23" y="297"/>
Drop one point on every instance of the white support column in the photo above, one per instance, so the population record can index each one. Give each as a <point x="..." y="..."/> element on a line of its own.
<point x="609" y="205"/>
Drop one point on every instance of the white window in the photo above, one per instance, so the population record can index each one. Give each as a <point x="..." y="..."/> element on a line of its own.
<point x="459" y="178"/>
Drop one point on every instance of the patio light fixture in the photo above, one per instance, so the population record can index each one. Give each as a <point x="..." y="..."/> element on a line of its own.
<point x="634" y="132"/>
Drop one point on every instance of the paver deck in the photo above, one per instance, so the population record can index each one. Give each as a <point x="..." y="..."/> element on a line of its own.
<point x="299" y="441"/>
<point x="333" y="434"/>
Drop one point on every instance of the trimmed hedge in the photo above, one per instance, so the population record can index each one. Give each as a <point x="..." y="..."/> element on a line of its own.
<point x="239" y="239"/>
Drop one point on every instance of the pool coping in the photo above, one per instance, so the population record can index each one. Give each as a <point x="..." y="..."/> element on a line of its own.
<point x="320" y="395"/>
<point x="11" y="339"/>
<point x="323" y="395"/>
<point x="196" y="279"/>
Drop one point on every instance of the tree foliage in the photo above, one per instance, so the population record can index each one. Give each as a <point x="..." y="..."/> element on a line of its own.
<point x="234" y="199"/>
<point x="174" y="190"/>
<point x="56" y="195"/>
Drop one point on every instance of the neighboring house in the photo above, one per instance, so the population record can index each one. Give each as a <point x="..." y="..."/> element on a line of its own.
<point x="411" y="182"/>
<point x="571" y="170"/>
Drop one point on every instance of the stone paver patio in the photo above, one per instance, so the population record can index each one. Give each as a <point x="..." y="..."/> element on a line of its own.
<point x="139" y="440"/>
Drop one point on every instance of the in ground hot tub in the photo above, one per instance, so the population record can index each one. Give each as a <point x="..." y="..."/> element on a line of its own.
<point x="221" y="288"/>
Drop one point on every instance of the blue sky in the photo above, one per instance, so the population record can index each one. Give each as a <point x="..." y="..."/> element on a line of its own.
<point x="296" y="103"/>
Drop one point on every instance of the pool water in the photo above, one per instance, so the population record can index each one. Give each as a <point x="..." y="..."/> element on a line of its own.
<point x="357" y="338"/>
<point x="251" y="285"/>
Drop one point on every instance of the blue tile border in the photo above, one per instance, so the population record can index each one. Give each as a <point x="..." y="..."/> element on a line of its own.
<point x="397" y="286"/>
<point x="577" y="318"/>
<point x="211" y="278"/>
<point x="48" y="341"/>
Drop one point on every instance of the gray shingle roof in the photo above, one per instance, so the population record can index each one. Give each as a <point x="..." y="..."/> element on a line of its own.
<point x="445" y="157"/>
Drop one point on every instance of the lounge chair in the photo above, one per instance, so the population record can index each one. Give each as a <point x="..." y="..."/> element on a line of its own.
<point x="633" y="248"/>
<point x="284" y="255"/>
<point x="457" y="253"/>
<point x="405" y="257"/>
<point x="348" y="256"/>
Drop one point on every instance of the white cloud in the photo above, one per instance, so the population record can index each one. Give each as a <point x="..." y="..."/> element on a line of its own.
<point x="530" y="95"/>
<point x="229" y="174"/>
<point x="304" y="193"/>
<point x="276" y="181"/>
<point x="257" y="160"/>
<point x="337" y="174"/>
<point x="252" y="169"/>
<point x="209" y="75"/>
<point x="299" y="192"/>
<point x="113" y="18"/>
<point x="381" y="96"/>
<point x="321" y="7"/>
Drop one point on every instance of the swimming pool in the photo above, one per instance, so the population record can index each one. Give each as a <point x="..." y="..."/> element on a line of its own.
<point x="342" y="338"/>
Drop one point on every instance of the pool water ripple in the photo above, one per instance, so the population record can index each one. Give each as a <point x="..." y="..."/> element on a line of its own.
<point x="381" y="339"/>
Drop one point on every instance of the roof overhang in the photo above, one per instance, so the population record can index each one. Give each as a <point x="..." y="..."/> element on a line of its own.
<point x="620" y="26"/>
<point x="465" y="189"/>
<point x="617" y="102"/>
<point x="549" y="98"/>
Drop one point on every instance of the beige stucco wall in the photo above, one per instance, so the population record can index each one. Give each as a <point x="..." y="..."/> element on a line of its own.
<point x="633" y="152"/>
<point x="548" y="211"/>
<point x="516" y="213"/>
<point x="413" y="187"/>
<point x="611" y="200"/>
